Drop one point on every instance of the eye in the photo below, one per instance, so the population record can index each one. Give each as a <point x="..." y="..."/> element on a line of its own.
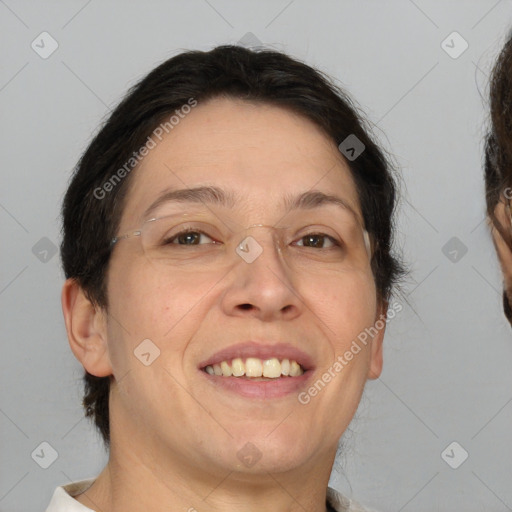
<point x="317" y="240"/>
<point x="188" y="237"/>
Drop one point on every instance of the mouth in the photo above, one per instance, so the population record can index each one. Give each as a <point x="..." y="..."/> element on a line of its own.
<point x="253" y="370"/>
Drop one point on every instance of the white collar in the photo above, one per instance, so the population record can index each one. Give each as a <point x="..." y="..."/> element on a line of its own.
<point x="63" y="499"/>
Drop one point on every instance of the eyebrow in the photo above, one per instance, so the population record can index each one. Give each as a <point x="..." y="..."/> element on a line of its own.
<point x="308" y="200"/>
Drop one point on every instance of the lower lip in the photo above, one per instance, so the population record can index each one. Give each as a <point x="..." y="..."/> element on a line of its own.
<point x="275" y="388"/>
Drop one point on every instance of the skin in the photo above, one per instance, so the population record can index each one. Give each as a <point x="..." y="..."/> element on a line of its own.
<point x="175" y="436"/>
<point x="502" y="248"/>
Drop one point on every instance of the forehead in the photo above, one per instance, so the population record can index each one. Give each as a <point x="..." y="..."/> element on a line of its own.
<point x="260" y="151"/>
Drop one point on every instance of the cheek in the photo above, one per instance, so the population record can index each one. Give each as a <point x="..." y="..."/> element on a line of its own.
<point x="150" y="301"/>
<point x="146" y="304"/>
<point x="347" y="306"/>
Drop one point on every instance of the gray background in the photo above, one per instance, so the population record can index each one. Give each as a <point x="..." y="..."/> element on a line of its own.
<point x="448" y="354"/>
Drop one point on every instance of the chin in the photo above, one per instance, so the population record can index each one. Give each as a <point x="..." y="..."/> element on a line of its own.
<point x="273" y="453"/>
<point x="276" y="462"/>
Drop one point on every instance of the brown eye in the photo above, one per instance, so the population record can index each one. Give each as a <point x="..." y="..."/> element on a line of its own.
<point x="188" y="238"/>
<point x="317" y="241"/>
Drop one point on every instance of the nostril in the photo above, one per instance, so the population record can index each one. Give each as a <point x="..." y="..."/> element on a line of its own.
<point x="245" y="306"/>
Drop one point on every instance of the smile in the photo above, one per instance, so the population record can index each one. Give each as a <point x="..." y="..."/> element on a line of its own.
<point x="254" y="368"/>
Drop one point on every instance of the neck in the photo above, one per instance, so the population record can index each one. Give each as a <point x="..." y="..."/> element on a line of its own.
<point x="136" y="483"/>
<point x="149" y="472"/>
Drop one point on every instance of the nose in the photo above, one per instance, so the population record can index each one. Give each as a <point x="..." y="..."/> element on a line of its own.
<point x="261" y="284"/>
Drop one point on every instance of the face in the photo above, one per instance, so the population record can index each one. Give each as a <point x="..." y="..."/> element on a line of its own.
<point x="502" y="246"/>
<point x="303" y="298"/>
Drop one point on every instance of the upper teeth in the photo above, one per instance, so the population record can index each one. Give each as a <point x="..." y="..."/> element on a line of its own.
<point x="253" y="367"/>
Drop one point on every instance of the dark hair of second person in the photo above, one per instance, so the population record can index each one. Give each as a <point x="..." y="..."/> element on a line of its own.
<point x="498" y="167"/>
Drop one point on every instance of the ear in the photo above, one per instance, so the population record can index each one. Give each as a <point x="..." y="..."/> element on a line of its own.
<point x="376" y="359"/>
<point x="86" y="326"/>
<point x="502" y="248"/>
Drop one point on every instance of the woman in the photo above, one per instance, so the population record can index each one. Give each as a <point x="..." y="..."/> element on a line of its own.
<point x="498" y="168"/>
<point x="227" y="249"/>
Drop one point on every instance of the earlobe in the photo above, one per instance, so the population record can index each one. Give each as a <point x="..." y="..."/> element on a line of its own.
<point x="376" y="356"/>
<point x="86" y="327"/>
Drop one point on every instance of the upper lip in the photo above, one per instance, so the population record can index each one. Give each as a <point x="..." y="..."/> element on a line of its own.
<point x="262" y="351"/>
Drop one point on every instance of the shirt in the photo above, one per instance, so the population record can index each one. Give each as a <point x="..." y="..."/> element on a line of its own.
<point x="63" y="501"/>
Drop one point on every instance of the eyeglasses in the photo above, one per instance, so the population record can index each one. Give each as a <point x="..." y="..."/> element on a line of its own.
<point x="203" y="240"/>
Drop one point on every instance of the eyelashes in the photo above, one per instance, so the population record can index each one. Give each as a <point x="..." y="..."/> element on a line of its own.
<point x="195" y="235"/>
